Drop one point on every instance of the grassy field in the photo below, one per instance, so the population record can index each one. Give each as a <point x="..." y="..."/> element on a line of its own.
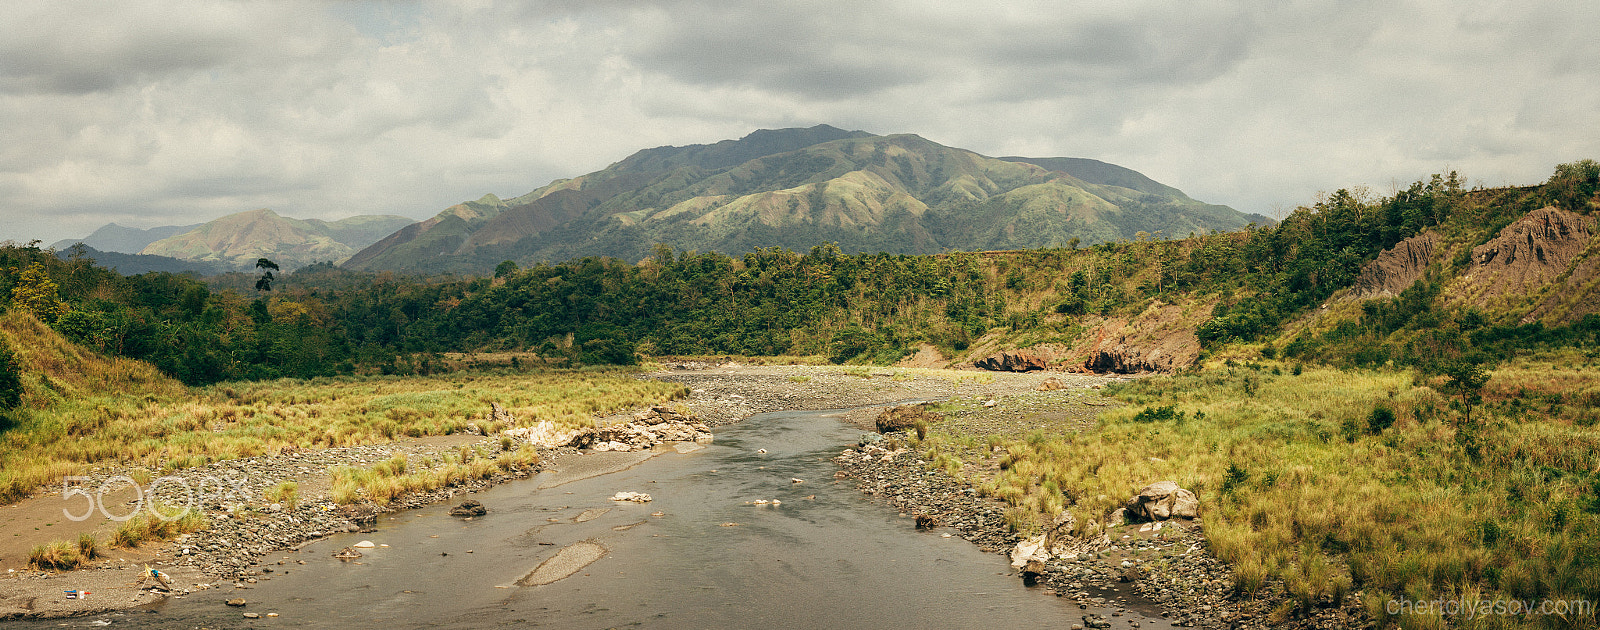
<point x="83" y="409"/>
<point x="1314" y="483"/>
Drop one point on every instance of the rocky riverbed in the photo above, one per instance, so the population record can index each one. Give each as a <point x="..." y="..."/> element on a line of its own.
<point x="1165" y="573"/>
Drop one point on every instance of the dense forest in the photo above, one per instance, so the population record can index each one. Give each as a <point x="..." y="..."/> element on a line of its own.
<point x="321" y="320"/>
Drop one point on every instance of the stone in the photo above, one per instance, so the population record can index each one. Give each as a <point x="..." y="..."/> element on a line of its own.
<point x="1033" y="570"/>
<point x="1029" y="550"/>
<point x="1096" y="621"/>
<point x="1162" y="500"/>
<point x="252" y="616"/>
<point x="635" y="497"/>
<point x="1051" y="384"/>
<point x="236" y="602"/>
<point x="365" y="544"/>
<point x="469" y="508"/>
<point x="1185" y="504"/>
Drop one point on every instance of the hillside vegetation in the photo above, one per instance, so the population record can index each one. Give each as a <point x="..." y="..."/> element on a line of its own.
<point x="1149" y="304"/>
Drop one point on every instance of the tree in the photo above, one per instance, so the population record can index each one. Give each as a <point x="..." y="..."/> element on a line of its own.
<point x="504" y="269"/>
<point x="1467" y="380"/>
<point x="35" y="292"/>
<point x="264" y="283"/>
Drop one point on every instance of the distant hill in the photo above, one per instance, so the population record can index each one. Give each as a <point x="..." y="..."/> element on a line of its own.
<point x="238" y="240"/>
<point x="134" y="264"/>
<point x="798" y="188"/>
<point x="124" y="240"/>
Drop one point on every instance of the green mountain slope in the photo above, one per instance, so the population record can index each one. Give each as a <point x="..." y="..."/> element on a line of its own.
<point x="798" y="188"/>
<point x="237" y="240"/>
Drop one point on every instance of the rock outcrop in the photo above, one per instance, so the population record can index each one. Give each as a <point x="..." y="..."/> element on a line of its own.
<point x="1160" y="339"/>
<point x="1121" y="359"/>
<point x="1026" y="360"/>
<point x="1162" y="500"/>
<point x="1528" y="254"/>
<point x="1396" y="268"/>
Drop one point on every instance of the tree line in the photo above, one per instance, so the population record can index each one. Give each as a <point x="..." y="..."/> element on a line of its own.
<point x="322" y="320"/>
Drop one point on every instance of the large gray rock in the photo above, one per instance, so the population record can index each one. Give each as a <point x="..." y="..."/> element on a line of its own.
<point x="1162" y="500"/>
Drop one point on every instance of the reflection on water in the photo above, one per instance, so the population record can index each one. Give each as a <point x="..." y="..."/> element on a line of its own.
<point x="823" y="557"/>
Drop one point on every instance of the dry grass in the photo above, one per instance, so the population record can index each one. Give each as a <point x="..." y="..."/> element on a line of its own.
<point x="145" y="528"/>
<point x="1298" y="491"/>
<point x="83" y="409"/>
<point x="286" y="493"/>
<point x="392" y="478"/>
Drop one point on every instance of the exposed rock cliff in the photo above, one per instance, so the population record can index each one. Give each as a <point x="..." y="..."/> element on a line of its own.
<point x="1529" y="253"/>
<point x="1397" y="268"/>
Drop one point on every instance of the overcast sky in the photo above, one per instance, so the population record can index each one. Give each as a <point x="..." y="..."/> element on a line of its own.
<point x="152" y="113"/>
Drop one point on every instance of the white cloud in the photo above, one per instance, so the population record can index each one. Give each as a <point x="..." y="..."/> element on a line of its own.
<point x="180" y="111"/>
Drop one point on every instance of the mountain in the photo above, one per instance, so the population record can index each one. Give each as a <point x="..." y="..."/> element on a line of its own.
<point x="133" y="264"/>
<point x="237" y="240"/>
<point x="798" y="188"/>
<point x="124" y="240"/>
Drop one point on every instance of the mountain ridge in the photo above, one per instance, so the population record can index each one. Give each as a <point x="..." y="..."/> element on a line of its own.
<point x="798" y="188"/>
<point x="238" y="240"/>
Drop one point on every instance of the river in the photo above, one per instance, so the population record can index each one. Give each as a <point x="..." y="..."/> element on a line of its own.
<point x="825" y="557"/>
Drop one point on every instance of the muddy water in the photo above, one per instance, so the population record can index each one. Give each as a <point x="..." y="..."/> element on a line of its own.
<point x="824" y="557"/>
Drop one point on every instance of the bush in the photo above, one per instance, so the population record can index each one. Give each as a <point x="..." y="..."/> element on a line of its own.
<point x="1382" y="417"/>
<point x="1152" y="414"/>
<point x="10" y="378"/>
<point x="59" y="555"/>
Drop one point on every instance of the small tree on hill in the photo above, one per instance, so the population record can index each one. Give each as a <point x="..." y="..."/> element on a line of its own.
<point x="264" y="283"/>
<point x="1467" y="380"/>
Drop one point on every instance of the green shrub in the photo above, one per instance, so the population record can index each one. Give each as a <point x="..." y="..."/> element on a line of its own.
<point x="1382" y="417"/>
<point x="10" y="378"/>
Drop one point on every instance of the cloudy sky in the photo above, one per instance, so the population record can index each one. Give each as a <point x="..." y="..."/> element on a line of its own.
<point x="159" y="112"/>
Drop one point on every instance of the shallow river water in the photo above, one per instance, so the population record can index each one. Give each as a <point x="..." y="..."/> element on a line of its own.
<point x="826" y="557"/>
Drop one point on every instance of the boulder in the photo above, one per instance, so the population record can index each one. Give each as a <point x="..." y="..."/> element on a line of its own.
<point x="546" y="434"/>
<point x="1030" y="550"/>
<point x="469" y="508"/>
<point x="1033" y="571"/>
<point x="1051" y="384"/>
<point x="1162" y="500"/>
